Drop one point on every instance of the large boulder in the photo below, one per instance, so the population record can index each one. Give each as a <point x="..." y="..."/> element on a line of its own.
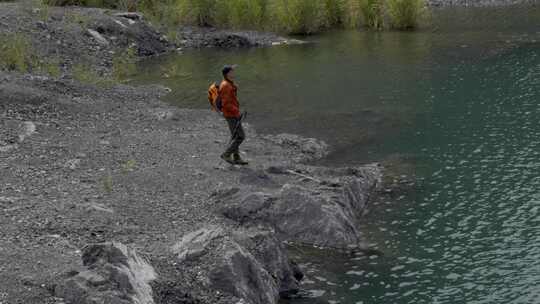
<point x="311" y="217"/>
<point x="129" y="30"/>
<point x="113" y="274"/>
<point x="248" y="265"/>
<point x="323" y="214"/>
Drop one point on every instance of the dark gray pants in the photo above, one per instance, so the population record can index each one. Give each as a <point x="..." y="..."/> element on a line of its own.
<point x="237" y="135"/>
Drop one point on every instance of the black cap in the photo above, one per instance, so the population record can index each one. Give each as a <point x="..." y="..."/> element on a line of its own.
<point x="228" y="68"/>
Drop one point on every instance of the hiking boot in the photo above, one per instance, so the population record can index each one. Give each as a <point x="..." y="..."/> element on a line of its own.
<point x="228" y="157"/>
<point x="238" y="160"/>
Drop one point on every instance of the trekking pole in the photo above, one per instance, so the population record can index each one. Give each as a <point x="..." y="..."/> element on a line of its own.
<point x="237" y="126"/>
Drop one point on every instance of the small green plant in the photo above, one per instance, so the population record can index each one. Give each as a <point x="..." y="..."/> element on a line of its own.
<point x="50" y="67"/>
<point x="126" y="5"/>
<point x="16" y="52"/>
<point x="129" y="165"/>
<point x="405" y="14"/>
<point x="373" y="13"/>
<point x="172" y="35"/>
<point x="108" y="183"/>
<point x="124" y="64"/>
<point x="42" y="8"/>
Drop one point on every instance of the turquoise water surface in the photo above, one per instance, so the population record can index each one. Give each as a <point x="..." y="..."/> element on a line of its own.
<point x="457" y="104"/>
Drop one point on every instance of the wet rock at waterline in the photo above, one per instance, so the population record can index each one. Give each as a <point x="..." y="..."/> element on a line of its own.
<point x="196" y="37"/>
<point x="113" y="274"/>
<point x="250" y="265"/>
<point x="322" y="215"/>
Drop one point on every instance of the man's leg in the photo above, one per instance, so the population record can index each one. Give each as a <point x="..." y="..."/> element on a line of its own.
<point x="237" y="137"/>
<point x="233" y="128"/>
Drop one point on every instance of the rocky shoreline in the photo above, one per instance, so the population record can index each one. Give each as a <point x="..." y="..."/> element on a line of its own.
<point x="83" y="166"/>
<point x="108" y="195"/>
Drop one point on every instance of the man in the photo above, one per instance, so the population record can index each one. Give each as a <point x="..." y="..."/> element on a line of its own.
<point x="231" y="111"/>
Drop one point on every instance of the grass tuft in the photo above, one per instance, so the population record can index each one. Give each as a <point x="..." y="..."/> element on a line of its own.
<point x="16" y="52"/>
<point x="108" y="183"/>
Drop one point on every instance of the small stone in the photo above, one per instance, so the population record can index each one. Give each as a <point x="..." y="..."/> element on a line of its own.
<point x="42" y="25"/>
<point x="72" y="163"/>
<point x="98" y="37"/>
<point x="129" y="15"/>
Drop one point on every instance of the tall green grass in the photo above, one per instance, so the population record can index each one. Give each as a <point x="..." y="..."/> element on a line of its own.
<point x="298" y="16"/>
<point x="286" y="16"/>
<point x="373" y="13"/>
<point x="405" y="14"/>
<point x="239" y="14"/>
<point x="335" y="12"/>
<point x="352" y="14"/>
<point x="196" y="12"/>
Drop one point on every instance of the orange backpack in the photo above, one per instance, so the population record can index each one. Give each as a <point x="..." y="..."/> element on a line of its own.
<point x="213" y="97"/>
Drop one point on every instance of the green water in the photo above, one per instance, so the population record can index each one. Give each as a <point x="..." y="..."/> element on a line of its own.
<point x="457" y="104"/>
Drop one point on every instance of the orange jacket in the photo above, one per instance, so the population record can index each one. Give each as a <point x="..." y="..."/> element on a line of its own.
<point x="229" y="100"/>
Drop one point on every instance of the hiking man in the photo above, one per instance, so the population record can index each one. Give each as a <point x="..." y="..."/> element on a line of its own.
<point x="231" y="111"/>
